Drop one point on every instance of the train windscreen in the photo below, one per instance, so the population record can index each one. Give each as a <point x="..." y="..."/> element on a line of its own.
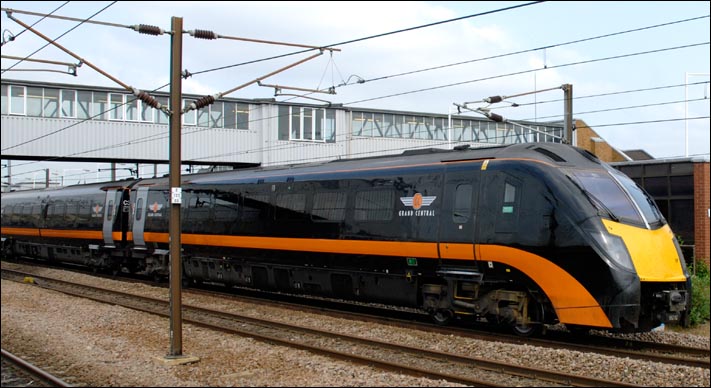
<point x="606" y="193"/>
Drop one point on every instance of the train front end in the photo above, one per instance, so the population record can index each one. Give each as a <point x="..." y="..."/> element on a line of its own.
<point x="651" y="283"/>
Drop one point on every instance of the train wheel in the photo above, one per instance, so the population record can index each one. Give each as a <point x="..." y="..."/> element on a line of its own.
<point x="527" y="330"/>
<point x="442" y="316"/>
<point x="535" y="325"/>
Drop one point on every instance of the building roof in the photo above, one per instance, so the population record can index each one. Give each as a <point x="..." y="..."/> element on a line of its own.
<point x="638" y="154"/>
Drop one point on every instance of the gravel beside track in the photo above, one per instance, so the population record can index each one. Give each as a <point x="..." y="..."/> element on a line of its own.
<point x="92" y="344"/>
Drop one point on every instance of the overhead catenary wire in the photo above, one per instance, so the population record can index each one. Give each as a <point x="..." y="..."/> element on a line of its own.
<point x="50" y="41"/>
<point x="207" y="98"/>
<point x="142" y="95"/>
<point x="549" y="46"/>
<point x="468" y="81"/>
<point x="44" y="16"/>
<point x="529" y="71"/>
<point x="372" y="36"/>
<point x="614" y="93"/>
<point x="624" y="108"/>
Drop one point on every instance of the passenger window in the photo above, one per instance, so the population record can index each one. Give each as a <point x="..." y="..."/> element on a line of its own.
<point x="375" y="205"/>
<point x="329" y="206"/>
<point x="290" y="206"/>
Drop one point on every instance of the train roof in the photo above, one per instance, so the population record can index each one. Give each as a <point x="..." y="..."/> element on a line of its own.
<point x="559" y="154"/>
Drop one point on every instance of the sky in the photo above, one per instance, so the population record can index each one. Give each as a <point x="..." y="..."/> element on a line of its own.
<point x="639" y="70"/>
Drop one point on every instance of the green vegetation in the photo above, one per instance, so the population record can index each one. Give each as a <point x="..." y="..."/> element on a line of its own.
<point x="699" y="293"/>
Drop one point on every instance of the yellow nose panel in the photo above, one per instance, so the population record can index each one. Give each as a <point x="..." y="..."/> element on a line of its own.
<point x="653" y="253"/>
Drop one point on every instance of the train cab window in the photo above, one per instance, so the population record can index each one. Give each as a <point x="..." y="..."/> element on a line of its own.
<point x="462" y="204"/>
<point x="606" y="195"/>
<point x="507" y="219"/>
<point x="644" y="202"/>
<point x="509" y="198"/>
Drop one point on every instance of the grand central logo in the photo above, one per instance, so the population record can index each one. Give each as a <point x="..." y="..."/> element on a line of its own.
<point x="417" y="201"/>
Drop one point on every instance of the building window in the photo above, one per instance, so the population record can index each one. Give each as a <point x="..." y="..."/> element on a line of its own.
<point x="307" y="124"/>
<point x="4" y="99"/>
<point x="283" y="122"/>
<point x="116" y="106"/>
<point x="100" y="106"/>
<point x="189" y="117"/>
<point x="242" y="114"/>
<point x="203" y="117"/>
<point x="682" y="185"/>
<point x="160" y="116"/>
<point x="216" y="114"/>
<point x="84" y="104"/>
<point x="50" y="103"/>
<point x="137" y="110"/>
<point x="17" y="100"/>
<point x="230" y="115"/>
<point x="362" y="124"/>
<point x="69" y="103"/>
<point x="34" y="102"/>
<point x="146" y="112"/>
<point x="132" y="109"/>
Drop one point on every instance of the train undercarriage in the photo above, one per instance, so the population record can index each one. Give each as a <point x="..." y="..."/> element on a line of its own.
<point x="445" y="296"/>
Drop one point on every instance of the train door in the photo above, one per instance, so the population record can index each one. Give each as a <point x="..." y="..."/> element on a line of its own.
<point x="112" y="205"/>
<point x="139" y="217"/>
<point x="499" y="208"/>
<point x="458" y="220"/>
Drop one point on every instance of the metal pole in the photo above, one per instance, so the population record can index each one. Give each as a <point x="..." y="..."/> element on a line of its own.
<point x="568" y="115"/>
<point x="686" y="114"/>
<point x="176" y="328"/>
<point x="449" y="128"/>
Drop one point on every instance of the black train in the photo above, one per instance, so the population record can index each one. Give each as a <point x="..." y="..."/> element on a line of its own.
<point x="519" y="235"/>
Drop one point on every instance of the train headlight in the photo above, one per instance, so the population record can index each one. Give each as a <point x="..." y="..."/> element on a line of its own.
<point x="614" y="249"/>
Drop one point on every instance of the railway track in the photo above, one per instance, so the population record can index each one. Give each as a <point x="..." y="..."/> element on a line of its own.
<point x="18" y="372"/>
<point x="612" y="346"/>
<point x="403" y="359"/>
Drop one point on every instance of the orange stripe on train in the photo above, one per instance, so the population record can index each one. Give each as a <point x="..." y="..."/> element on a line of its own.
<point x="572" y="302"/>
